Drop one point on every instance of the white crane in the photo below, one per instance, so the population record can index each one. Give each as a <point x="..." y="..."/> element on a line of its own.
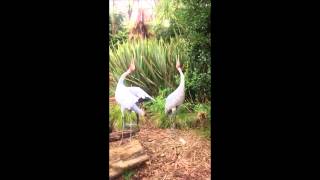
<point x="176" y="98"/>
<point x="129" y="97"/>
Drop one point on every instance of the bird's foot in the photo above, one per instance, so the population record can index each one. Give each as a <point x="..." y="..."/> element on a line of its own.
<point x="120" y="142"/>
<point x="130" y="126"/>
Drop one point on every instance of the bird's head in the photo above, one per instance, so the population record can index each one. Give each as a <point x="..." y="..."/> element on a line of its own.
<point x="178" y="64"/>
<point x="132" y="67"/>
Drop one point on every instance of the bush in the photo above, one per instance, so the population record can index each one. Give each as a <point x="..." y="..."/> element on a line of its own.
<point x="118" y="32"/>
<point x="155" y="63"/>
<point x="118" y="38"/>
<point x="190" y="20"/>
<point x="199" y="74"/>
<point x="187" y="36"/>
<point x="187" y="115"/>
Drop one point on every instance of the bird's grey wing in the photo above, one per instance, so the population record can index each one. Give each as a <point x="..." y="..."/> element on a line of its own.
<point x="138" y="92"/>
<point x="175" y="99"/>
<point x="170" y="101"/>
<point x="125" y="98"/>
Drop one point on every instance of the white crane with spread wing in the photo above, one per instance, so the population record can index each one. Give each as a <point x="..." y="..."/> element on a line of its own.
<point x="129" y="97"/>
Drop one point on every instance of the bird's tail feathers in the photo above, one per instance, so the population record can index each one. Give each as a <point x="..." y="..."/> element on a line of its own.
<point x="168" y="112"/>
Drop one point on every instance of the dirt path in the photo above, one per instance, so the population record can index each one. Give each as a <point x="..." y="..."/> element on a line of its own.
<point x="180" y="155"/>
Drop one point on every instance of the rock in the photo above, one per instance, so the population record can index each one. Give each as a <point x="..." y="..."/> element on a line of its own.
<point x="126" y="157"/>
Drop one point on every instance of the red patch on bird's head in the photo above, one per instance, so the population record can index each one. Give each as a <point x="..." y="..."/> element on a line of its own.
<point x="132" y="67"/>
<point x="178" y="64"/>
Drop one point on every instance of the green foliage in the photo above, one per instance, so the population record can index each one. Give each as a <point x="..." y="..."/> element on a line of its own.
<point x="186" y="114"/>
<point x="195" y="17"/>
<point x="187" y="18"/>
<point x="188" y="36"/>
<point x="190" y="20"/>
<point x="204" y="132"/>
<point x="202" y="107"/>
<point x="199" y="71"/>
<point x="118" y="38"/>
<point x="156" y="109"/>
<point x="155" y="63"/>
<point x="115" y="120"/>
<point x="166" y="14"/>
<point x="118" y="32"/>
<point x="128" y="174"/>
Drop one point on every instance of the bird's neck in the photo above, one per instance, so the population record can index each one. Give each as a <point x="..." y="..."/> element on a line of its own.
<point x="181" y="77"/>
<point x="123" y="76"/>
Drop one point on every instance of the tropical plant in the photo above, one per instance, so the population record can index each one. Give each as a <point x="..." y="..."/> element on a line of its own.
<point x="155" y="63"/>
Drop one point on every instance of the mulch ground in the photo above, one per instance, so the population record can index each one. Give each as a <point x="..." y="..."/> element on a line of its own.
<point x="178" y="154"/>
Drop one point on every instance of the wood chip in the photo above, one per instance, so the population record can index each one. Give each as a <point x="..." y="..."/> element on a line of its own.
<point x="183" y="142"/>
<point x="188" y="154"/>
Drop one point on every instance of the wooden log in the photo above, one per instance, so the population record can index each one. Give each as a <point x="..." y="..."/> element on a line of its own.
<point x="125" y="157"/>
<point x="118" y="168"/>
<point x="127" y="151"/>
<point x="114" y="173"/>
<point x="131" y="163"/>
<point x="115" y="136"/>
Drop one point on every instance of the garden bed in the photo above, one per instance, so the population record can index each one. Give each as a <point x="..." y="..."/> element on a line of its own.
<point x="180" y="155"/>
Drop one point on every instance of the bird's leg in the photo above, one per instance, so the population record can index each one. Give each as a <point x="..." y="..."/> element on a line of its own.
<point x="137" y="119"/>
<point x="172" y="126"/>
<point x="171" y="121"/>
<point x="130" y="131"/>
<point x="130" y="128"/>
<point x="122" y="118"/>
<point x="173" y="115"/>
<point x="175" y="120"/>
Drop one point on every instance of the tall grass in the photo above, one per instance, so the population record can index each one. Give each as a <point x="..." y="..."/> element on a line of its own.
<point x="186" y="115"/>
<point x="155" y="63"/>
<point x="115" y="120"/>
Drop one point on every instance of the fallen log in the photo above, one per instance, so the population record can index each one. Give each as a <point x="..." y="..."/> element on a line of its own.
<point x="115" y="136"/>
<point x="132" y="149"/>
<point x="125" y="157"/>
<point x="117" y="169"/>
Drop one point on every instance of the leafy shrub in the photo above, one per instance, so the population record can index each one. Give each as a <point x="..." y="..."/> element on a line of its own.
<point x="186" y="114"/>
<point x="190" y="20"/>
<point x="118" y="38"/>
<point x="118" y="32"/>
<point x="198" y="69"/>
<point x="115" y="120"/>
<point x="155" y="63"/>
